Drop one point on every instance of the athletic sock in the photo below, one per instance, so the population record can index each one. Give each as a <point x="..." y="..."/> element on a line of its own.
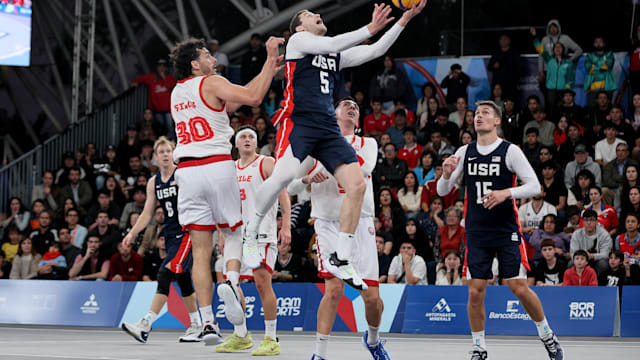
<point x="372" y="339"/>
<point x="478" y="339"/>
<point x="241" y="330"/>
<point x="195" y="318"/>
<point x="544" y="331"/>
<point x="322" y="342"/>
<point x="207" y="314"/>
<point x="270" y="328"/>
<point x="344" y="245"/>
<point x="233" y="277"/>
<point x="151" y="317"/>
<point x="254" y="223"/>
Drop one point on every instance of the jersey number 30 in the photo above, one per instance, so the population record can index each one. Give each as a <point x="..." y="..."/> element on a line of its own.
<point x="199" y="130"/>
<point x="482" y="189"/>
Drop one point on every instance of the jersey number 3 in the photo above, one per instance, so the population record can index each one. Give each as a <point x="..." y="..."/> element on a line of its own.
<point x="482" y="189"/>
<point x="199" y="130"/>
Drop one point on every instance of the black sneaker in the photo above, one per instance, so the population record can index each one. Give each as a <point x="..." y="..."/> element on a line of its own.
<point x="553" y="348"/>
<point x="479" y="355"/>
<point x="343" y="270"/>
<point x="211" y="334"/>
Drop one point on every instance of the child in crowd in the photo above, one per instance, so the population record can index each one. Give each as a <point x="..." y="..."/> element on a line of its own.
<point x="550" y="271"/>
<point x="580" y="274"/>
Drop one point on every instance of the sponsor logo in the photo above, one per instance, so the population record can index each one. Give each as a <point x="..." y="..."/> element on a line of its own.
<point x="473" y="158"/>
<point x="441" y="312"/>
<point x="90" y="306"/>
<point x="288" y="306"/>
<point x="371" y="231"/>
<point x="512" y="312"/>
<point x="582" y="310"/>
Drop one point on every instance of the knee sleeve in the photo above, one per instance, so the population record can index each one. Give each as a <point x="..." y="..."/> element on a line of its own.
<point x="184" y="281"/>
<point x="232" y="245"/>
<point x="164" y="281"/>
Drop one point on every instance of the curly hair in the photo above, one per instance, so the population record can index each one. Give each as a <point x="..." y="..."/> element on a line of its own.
<point x="183" y="53"/>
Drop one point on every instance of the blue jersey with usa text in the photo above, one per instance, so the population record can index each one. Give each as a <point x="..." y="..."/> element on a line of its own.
<point x="483" y="174"/>
<point x="167" y="195"/>
<point x="308" y="94"/>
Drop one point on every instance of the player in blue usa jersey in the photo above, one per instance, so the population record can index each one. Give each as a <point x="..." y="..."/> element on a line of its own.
<point x="308" y="126"/>
<point x="490" y="167"/>
<point x="163" y="191"/>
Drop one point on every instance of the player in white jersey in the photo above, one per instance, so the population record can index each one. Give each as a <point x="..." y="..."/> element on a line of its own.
<point x="327" y="196"/>
<point x="209" y="197"/>
<point x="253" y="170"/>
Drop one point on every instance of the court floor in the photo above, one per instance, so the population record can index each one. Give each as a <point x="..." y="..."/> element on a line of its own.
<point x="42" y="342"/>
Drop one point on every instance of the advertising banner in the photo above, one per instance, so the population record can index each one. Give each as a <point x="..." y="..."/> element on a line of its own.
<point x="630" y="312"/>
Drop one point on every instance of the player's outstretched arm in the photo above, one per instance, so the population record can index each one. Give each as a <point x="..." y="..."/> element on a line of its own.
<point x="145" y="216"/>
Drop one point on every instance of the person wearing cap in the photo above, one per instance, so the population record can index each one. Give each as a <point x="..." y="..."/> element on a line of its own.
<point x="160" y="83"/>
<point x="62" y="174"/>
<point x="582" y="161"/>
<point x="253" y="59"/>
<point x="222" y="61"/>
<point x="544" y="126"/>
<point x="606" y="148"/>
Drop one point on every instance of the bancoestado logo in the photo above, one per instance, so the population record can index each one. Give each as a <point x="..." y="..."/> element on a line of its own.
<point x="90" y="306"/>
<point x="287" y="306"/>
<point x="582" y="310"/>
<point x="512" y="312"/>
<point x="441" y="311"/>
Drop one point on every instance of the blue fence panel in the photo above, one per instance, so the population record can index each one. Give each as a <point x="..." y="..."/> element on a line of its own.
<point x="630" y="312"/>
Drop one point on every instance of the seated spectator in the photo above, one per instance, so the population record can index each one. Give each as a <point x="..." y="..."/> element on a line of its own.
<point x="62" y="174"/>
<point x="425" y="171"/>
<point x="270" y="147"/>
<point x="19" y="215"/>
<point x="606" y="148"/>
<point x="388" y="238"/>
<point x="77" y="189"/>
<point x="622" y="201"/>
<point x="458" y="115"/>
<point x="614" y="274"/>
<point x="5" y="267"/>
<point x="107" y="166"/>
<point x="396" y="131"/>
<point x="384" y="260"/>
<point x="546" y="153"/>
<point x="411" y="151"/>
<point x="428" y="91"/>
<point x="625" y="131"/>
<point x="596" y="115"/>
<point x="376" y="123"/>
<point x="581" y="274"/>
<point x="578" y="194"/>
<point x="531" y="146"/>
<point x="593" y="239"/>
<point x="448" y="130"/>
<point x="567" y="149"/>
<point x="146" y="157"/>
<point x="389" y="211"/>
<point x="468" y="124"/>
<point x="53" y="265"/>
<point x="262" y="129"/>
<point x="532" y="213"/>
<point x="613" y="174"/>
<point x="392" y="170"/>
<point x="407" y="267"/>
<point x="430" y="190"/>
<point x="400" y="104"/>
<point x="568" y="108"/>
<point x="93" y="265"/>
<point x="409" y="195"/>
<point x="46" y="191"/>
<point x="384" y="140"/>
<point x="109" y="234"/>
<point x="139" y="197"/>
<point x="431" y="221"/>
<point x="116" y="194"/>
<point x="125" y="265"/>
<point x="550" y="271"/>
<point x="466" y="137"/>
<point x="560" y="133"/>
<point x="451" y="236"/>
<point x="555" y="193"/>
<point x="449" y="271"/>
<point x="133" y="170"/>
<point x="78" y="232"/>
<point x="582" y="162"/>
<point x="422" y="243"/>
<point x="45" y="235"/>
<point x="512" y="126"/>
<point x="310" y="264"/>
<point x="549" y="229"/>
<point x="152" y="232"/>
<point x="573" y="219"/>
<point x="607" y="215"/>
<point x="288" y="267"/>
<point x="153" y="259"/>
<point x="25" y="264"/>
<point x="37" y="207"/>
<point x="437" y="145"/>
<point x="105" y="204"/>
<point x="11" y="243"/>
<point x="456" y="82"/>
<point x="427" y="118"/>
<point x="628" y="240"/>
<point x="544" y="127"/>
<point x="67" y="249"/>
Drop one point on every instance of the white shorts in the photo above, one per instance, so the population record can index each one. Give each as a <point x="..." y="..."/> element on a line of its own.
<point x="269" y="253"/>
<point x="208" y="196"/>
<point x="364" y="253"/>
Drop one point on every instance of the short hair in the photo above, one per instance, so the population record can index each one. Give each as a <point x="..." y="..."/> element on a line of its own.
<point x="632" y="215"/>
<point x="456" y="66"/>
<point x="617" y="106"/>
<point x="409" y="129"/>
<point x="598" y="188"/>
<point x="581" y="253"/>
<point x="442" y="112"/>
<point x="533" y="97"/>
<point x="399" y="99"/>
<point x="496" y="109"/>
<point x="400" y="112"/>
<point x="589" y="214"/>
<point x="458" y="211"/>
<point x="376" y="100"/>
<point x="104" y="191"/>
<point x="74" y="168"/>
<point x="131" y="156"/>
<point x="533" y="130"/>
<point x="295" y="21"/>
<point x="163" y="140"/>
<point x="622" y="144"/>
<point x="183" y="53"/>
<point x="547" y="242"/>
<point x="102" y="212"/>
<point x="70" y="210"/>
<point x="549" y="164"/>
<point x="391" y="144"/>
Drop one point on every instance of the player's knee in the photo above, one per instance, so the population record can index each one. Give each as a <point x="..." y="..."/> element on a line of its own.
<point x="164" y="281"/>
<point x="186" y="286"/>
<point x="357" y="187"/>
<point x="334" y="290"/>
<point x="476" y="295"/>
<point x="371" y="300"/>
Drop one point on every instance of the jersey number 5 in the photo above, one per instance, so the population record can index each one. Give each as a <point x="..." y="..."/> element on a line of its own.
<point x="324" y="82"/>
<point x="199" y="130"/>
<point x="482" y="189"/>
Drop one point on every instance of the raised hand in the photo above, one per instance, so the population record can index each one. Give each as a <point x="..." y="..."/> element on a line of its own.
<point x="380" y="18"/>
<point x="411" y="13"/>
<point x="449" y="166"/>
<point x="273" y="51"/>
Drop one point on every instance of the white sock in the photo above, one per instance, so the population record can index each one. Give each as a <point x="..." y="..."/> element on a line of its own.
<point x="207" y="314"/>
<point x="544" y="331"/>
<point x="151" y="317"/>
<point x="241" y="330"/>
<point x="195" y="318"/>
<point x="478" y="339"/>
<point x="233" y="277"/>
<point x="372" y="339"/>
<point x="322" y="342"/>
<point x="270" y="328"/>
<point x="254" y="221"/>
<point x="344" y="245"/>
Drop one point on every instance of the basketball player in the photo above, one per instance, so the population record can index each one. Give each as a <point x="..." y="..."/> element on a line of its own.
<point x="252" y="170"/>
<point x="308" y="124"/>
<point x="490" y="166"/>
<point x="162" y="189"/>
<point x="327" y="196"/>
<point x="209" y="196"/>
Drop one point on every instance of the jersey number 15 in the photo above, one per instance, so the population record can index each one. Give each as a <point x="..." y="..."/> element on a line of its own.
<point x="482" y="189"/>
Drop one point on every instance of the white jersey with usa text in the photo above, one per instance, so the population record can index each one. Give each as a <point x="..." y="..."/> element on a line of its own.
<point x="327" y="196"/>
<point x="202" y="130"/>
<point x="250" y="178"/>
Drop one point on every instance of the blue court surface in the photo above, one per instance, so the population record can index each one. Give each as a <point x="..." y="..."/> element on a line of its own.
<point x="40" y="342"/>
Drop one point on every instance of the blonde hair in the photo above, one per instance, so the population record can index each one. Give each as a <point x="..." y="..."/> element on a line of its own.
<point x="163" y="140"/>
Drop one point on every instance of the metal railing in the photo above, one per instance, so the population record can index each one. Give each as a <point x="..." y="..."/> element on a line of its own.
<point x="105" y="126"/>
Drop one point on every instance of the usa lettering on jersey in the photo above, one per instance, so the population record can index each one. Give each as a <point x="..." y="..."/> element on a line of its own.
<point x="325" y="63"/>
<point x="483" y="169"/>
<point x="167" y="192"/>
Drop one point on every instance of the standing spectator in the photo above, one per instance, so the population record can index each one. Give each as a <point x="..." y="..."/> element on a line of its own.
<point x="397" y="130"/>
<point x="108" y="233"/>
<point x="593" y="239"/>
<point x="384" y="260"/>
<point x="47" y="191"/>
<point x="531" y="146"/>
<point x="411" y="151"/>
<point x="253" y="59"/>
<point x="389" y="84"/>
<point x="582" y="162"/>
<point x="549" y="229"/>
<point x="456" y="83"/>
<point x="25" y="264"/>
<point x="512" y="124"/>
<point x="153" y="259"/>
<point x="555" y="35"/>
<point x="376" y="123"/>
<point x="78" y="232"/>
<point x="532" y="213"/>
<point x="77" y="189"/>
<point x="392" y="170"/>
<point x="599" y="67"/>
<point x="555" y="191"/>
<point x="567" y="149"/>
<point x="550" y="271"/>
<point x="407" y="267"/>
<point x="451" y="236"/>
<point x="19" y="216"/>
<point x="607" y="216"/>
<point x="544" y="126"/>
<point x="93" y="265"/>
<point x="449" y="271"/>
<point x="45" y="235"/>
<point x="409" y="195"/>
<point x="426" y="171"/>
<point x="53" y="265"/>
<point x="104" y="204"/>
<point x="505" y="66"/>
<point x="125" y="265"/>
<point x="139" y="197"/>
<point x="628" y="240"/>
<point x="606" y="148"/>
<point x="222" y="61"/>
<point x="289" y="266"/>
<point x="581" y="274"/>
<point x="160" y="85"/>
<point x="625" y="130"/>
<point x="634" y="62"/>
<point x="67" y="249"/>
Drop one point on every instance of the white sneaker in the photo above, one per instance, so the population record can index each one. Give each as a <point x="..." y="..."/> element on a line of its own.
<point x="211" y="334"/>
<point x="232" y="304"/>
<point x="250" y="253"/>
<point x="139" y="331"/>
<point x="193" y="333"/>
<point x="343" y="270"/>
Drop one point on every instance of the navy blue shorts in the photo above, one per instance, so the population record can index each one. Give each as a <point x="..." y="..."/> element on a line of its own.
<point x="324" y="143"/>
<point x="178" y="253"/>
<point x="479" y="259"/>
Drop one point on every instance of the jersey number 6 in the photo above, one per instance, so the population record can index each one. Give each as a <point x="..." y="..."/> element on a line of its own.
<point x="199" y="130"/>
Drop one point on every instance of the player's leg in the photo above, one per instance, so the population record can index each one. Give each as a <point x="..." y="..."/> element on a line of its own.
<point x="269" y="345"/>
<point x="194" y="332"/>
<point x="478" y="262"/>
<point x="333" y="291"/>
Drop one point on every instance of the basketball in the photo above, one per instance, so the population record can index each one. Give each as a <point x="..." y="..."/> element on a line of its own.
<point x="405" y="4"/>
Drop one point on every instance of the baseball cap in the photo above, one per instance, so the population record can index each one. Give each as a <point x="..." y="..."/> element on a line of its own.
<point x="111" y="147"/>
<point x="580" y="148"/>
<point x="162" y="62"/>
<point x="68" y="155"/>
